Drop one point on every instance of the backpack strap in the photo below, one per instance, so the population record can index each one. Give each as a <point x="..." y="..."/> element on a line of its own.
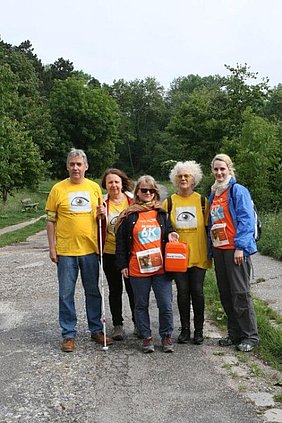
<point x="169" y="204"/>
<point x="203" y="204"/>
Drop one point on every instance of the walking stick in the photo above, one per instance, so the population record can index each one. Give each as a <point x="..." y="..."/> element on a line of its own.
<point x="105" y="347"/>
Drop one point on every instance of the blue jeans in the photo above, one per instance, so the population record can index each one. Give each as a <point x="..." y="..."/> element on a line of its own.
<point x="162" y="287"/>
<point x="68" y="268"/>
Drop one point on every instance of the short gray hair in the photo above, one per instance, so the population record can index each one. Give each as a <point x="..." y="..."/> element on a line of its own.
<point x="190" y="167"/>
<point x="75" y="152"/>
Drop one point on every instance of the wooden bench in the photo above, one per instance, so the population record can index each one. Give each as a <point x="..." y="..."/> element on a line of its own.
<point x="27" y="204"/>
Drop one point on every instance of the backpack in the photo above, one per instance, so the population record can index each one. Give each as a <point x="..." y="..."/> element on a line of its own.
<point x="258" y="223"/>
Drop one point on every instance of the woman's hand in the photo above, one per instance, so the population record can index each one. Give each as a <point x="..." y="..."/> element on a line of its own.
<point x="238" y="257"/>
<point x="124" y="272"/>
<point x="173" y="237"/>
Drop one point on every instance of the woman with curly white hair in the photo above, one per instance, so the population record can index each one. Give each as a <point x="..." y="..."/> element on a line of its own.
<point x="189" y="217"/>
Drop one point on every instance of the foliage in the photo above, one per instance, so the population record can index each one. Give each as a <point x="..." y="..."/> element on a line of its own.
<point x="270" y="337"/>
<point x="257" y="155"/>
<point x="21" y="164"/>
<point x="140" y="127"/>
<point x="143" y="115"/>
<point x="84" y="117"/>
<point x="270" y="243"/>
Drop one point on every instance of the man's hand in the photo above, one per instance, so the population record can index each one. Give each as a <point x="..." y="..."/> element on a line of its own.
<point x="101" y="212"/>
<point x="53" y="255"/>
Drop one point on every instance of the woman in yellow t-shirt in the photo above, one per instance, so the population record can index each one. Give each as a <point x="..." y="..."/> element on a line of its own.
<point x="117" y="199"/>
<point x="189" y="217"/>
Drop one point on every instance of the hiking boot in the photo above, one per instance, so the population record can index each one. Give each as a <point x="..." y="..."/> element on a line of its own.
<point x="136" y="332"/>
<point x="198" y="337"/>
<point x="184" y="336"/>
<point x="167" y="344"/>
<point x="68" y="345"/>
<point x="118" y="333"/>
<point x="227" y="341"/>
<point x="247" y="345"/>
<point x="148" y="346"/>
<point x="99" y="337"/>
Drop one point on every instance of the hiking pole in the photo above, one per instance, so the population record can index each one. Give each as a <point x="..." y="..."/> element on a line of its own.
<point x="105" y="347"/>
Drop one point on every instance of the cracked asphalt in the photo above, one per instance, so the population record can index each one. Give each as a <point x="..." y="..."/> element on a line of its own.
<point x="39" y="383"/>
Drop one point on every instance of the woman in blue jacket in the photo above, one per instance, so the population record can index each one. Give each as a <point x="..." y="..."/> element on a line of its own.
<point x="231" y="239"/>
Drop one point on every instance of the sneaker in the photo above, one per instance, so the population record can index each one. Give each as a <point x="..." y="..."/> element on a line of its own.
<point x="246" y="345"/>
<point x="99" y="337"/>
<point x="198" y="337"/>
<point x="118" y="333"/>
<point x="68" y="345"/>
<point x="167" y="344"/>
<point x="227" y="341"/>
<point x="148" y="346"/>
<point x="184" y="336"/>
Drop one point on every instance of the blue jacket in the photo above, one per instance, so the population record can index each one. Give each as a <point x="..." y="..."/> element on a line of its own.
<point x="242" y="213"/>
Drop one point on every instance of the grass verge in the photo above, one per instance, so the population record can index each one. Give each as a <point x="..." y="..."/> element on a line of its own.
<point x="269" y="323"/>
<point x="22" y="234"/>
<point x="270" y="243"/>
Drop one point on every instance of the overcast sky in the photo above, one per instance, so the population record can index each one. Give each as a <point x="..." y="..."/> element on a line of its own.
<point x="129" y="39"/>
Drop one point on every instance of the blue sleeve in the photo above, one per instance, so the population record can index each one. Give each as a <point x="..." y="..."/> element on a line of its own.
<point x="243" y="217"/>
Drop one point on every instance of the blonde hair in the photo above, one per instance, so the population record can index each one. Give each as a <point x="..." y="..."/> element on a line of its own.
<point x="149" y="180"/>
<point x="191" y="167"/>
<point x="226" y="159"/>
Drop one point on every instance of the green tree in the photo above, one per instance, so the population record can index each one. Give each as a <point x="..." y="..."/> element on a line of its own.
<point x="257" y="156"/>
<point x="21" y="97"/>
<point x="196" y="128"/>
<point x="21" y="164"/>
<point x="242" y="91"/>
<point x="143" y="119"/>
<point x="87" y="118"/>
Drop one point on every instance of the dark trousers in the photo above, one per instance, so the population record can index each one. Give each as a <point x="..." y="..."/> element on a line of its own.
<point x="162" y="287"/>
<point x="115" y="283"/>
<point x="190" y="286"/>
<point x="233" y="283"/>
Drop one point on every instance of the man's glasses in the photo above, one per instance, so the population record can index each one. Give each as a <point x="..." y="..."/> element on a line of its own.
<point x="145" y="190"/>
<point x="186" y="176"/>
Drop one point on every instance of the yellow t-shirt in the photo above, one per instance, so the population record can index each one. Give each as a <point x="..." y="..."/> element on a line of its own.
<point x="114" y="212"/>
<point x="189" y="222"/>
<point x="74" y="209"/>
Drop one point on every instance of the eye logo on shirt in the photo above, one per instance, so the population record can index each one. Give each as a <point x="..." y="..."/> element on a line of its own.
<point x="80" y="202"/>
<point x="112" y="220"/>
<point x="185" y="217"/>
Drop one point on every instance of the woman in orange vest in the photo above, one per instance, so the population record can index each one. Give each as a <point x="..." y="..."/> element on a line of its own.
<point x="142" y="232"/>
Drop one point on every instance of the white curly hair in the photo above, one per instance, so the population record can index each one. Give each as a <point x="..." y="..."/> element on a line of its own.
<point x="190" y="167"/>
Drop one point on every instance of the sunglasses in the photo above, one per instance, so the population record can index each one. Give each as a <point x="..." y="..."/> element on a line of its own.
<point x="145" y="190"/>
<point x="186" y="176"/>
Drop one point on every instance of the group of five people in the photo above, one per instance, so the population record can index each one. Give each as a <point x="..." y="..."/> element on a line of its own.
<point x="135" y="230"/>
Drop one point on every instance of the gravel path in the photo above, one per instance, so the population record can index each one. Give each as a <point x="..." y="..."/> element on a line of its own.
<point x="39" y="383"/>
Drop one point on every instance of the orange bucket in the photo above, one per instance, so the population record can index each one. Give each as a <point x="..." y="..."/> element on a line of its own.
<point x="176" y="257"/>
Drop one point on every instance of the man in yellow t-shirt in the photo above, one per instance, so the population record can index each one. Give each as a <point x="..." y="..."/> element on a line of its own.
<point x="73" y="246"/>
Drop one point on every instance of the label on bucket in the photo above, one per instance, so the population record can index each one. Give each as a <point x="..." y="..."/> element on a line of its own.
<point x="177" y="256"/>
